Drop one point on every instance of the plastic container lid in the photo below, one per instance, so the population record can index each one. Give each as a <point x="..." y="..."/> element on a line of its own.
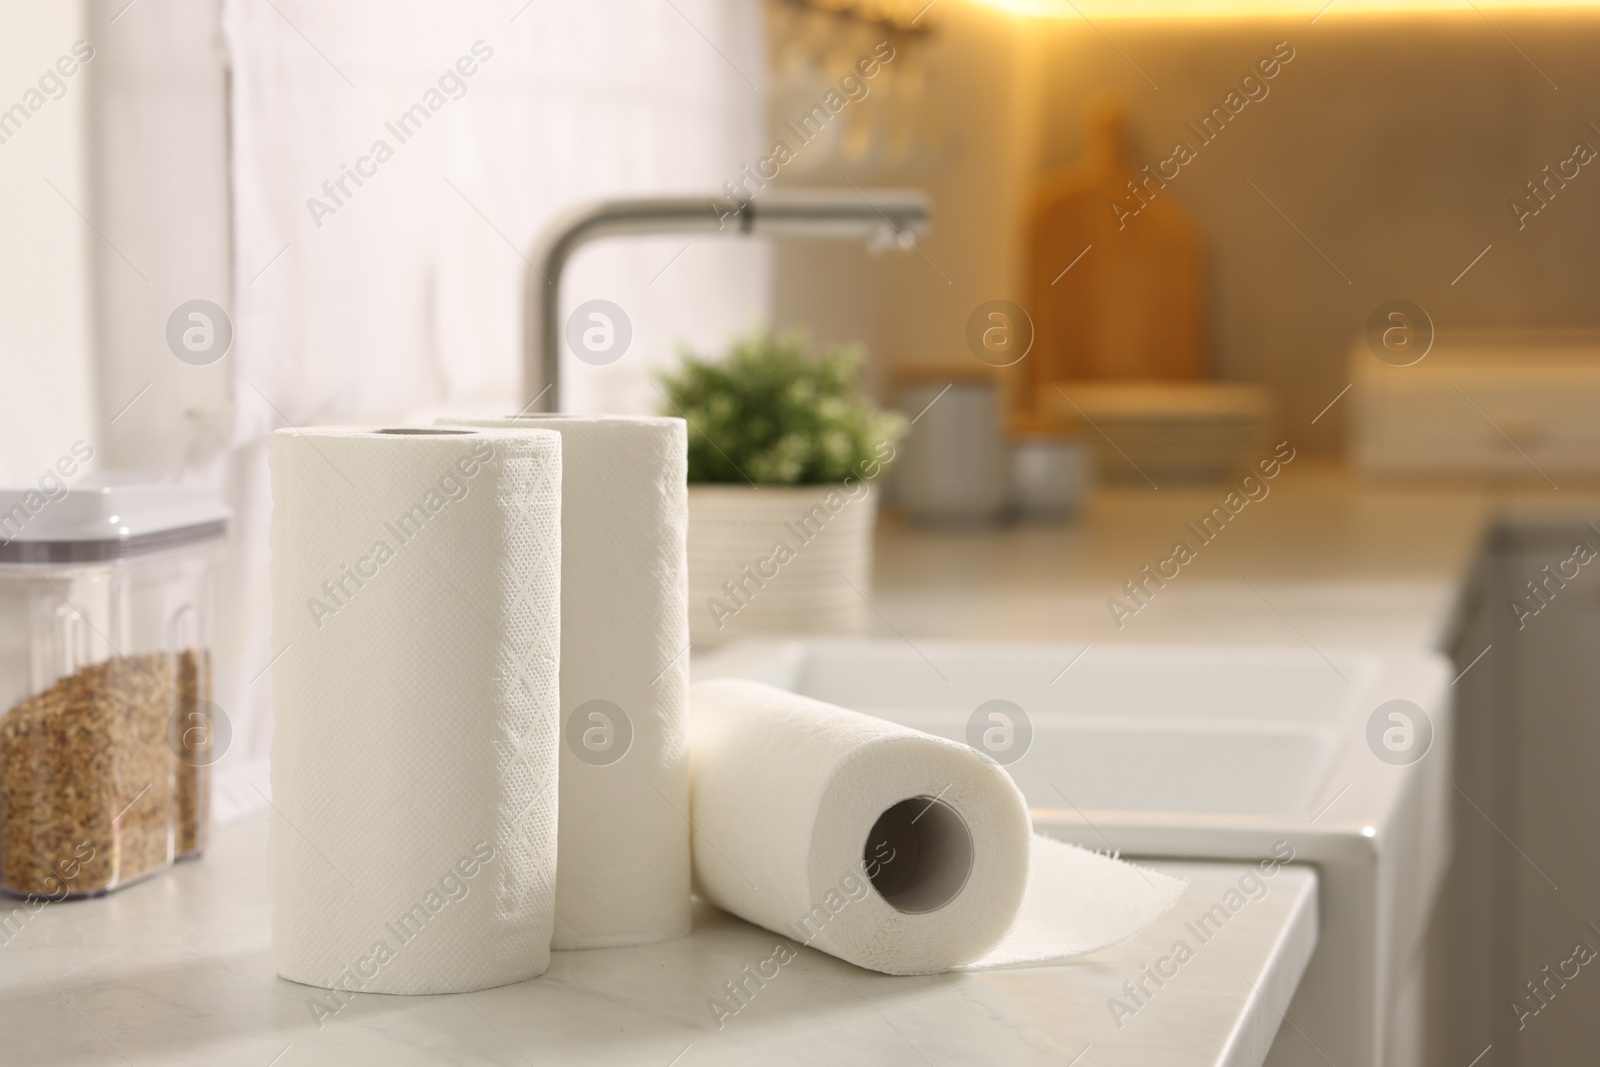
<point x="105" y="518"/>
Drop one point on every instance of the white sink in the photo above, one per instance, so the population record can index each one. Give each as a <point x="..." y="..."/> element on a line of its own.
<point x="1200" y="753"/>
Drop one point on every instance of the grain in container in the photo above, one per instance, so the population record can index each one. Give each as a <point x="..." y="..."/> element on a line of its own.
<point x="107" y="732"/>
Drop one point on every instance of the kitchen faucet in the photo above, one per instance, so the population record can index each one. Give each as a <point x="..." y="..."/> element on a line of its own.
<point x="881" y="218"/>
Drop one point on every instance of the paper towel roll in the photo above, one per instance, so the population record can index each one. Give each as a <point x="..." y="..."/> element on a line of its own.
<point x="416" y="611"/>
<point x="623" y="878"/>
<point x="887" y="847"/>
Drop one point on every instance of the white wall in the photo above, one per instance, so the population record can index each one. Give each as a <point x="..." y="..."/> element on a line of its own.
<point x="46" y="382"/>
<point x="158" y="156"/>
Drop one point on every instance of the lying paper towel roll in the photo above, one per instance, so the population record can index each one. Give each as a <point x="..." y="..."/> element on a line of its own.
<point x="623" y="878"/>
<point x="887" y="847"/>
<point x="416" y="610"/>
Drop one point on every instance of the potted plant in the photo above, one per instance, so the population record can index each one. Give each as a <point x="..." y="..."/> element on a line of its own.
<point x="783" y="454"/>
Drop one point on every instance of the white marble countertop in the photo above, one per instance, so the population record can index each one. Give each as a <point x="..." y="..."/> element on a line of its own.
<point x="1326" y="558"/>
<point x="178" y="970"/>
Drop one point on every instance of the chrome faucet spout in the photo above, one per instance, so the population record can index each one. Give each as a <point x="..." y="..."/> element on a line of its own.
<point x="880" y="217"/>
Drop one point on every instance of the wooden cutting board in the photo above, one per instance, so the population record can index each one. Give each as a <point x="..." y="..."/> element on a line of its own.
<point x="1116" y="281"/>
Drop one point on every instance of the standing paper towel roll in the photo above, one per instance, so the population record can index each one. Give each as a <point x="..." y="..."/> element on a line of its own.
<point x="888" y="847"/>
<point x="624" y="872"/>
<point x="416" y="610"/>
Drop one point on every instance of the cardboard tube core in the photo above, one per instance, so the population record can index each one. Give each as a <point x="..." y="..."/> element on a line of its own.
<point x="919" y="855"/>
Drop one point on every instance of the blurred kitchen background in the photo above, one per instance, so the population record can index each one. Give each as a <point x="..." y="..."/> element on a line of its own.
<point x="1393" y="140"/>
<point x="178" y="163"/>
<point x="197" y="154"/>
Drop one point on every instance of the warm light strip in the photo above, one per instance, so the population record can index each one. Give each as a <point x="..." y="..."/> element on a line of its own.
<point x="1097" y="10"/>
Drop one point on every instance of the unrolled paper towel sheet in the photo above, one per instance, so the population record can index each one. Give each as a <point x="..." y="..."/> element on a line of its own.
<point x="623" y="876"/>
<point x="887" y="847"/>
<point x="416" y="610"/>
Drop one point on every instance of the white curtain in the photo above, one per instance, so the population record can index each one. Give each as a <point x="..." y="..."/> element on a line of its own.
<point x="396" y="294"/>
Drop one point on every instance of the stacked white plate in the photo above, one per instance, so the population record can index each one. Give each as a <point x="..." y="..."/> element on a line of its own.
<point x="1172" y="431"/>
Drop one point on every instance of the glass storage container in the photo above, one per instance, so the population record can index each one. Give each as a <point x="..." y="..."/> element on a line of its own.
<point x="107" y="732"/>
